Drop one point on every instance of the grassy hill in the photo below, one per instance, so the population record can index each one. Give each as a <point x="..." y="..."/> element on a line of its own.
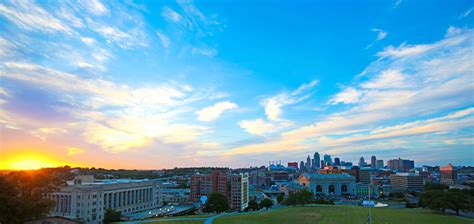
<point x="342" y="215"/>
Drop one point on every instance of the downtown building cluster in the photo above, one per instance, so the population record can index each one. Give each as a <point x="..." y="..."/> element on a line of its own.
<point x="86" y="200"/>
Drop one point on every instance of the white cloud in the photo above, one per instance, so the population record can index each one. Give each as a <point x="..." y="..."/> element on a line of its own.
<point x="274" y="104"/>
<point x="347" y="96"/>
<point x="171" y="15"/>
<point x="88" y="40"/>
<point x="388" y="79"/>
<point x="165" y="41"/>
<point x="213" y="112"/>
<point x="381" y="34"/>
<point x="405" y="83"/>
<point x="95" y="6"/>
<point x="29" y="16"/>
<point x="261" y="127"/>
<point x="133" y="116"/>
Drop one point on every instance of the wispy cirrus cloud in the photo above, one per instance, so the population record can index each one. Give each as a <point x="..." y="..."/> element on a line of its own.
<point x="29" y="16"/>
<point x="115" y="117"/>
<point x="466" y="13"/>
<point x="190" y="25"/>
<point x="381" y="34"/>
<point x="406" y="81"/>
<point x="273" y="110"/>
<point x="213" y="112"/>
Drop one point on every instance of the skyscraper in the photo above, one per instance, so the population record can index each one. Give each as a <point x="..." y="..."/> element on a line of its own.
<point x="448" y="175"/>
<point x="308" y="163"/>
<point x="316" y="160"/>
<point x="401" y="165"/>
<point x="373" y="162"/>
<point x="327" y="159"/>
<point x="379" y="164"/>
<point x="322" y="164"/>
<point x="361" y="162"/>
<point x="302" y="167"/>
<point x="337" y="161"/>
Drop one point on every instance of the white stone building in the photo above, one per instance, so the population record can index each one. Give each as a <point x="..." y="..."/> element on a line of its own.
<point x="86" y="199"/>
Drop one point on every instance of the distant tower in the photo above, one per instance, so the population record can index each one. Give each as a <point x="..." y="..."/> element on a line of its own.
<point x="302" y="167"/>
<point x="322" y="164"/>
<point x="361" y="162"/>
<point x="337" y="161"/>
<point x="327" y="159"/>
<point x="373" y="162"/>
<point x="316" y="160"/>
<point x="308" y="163"/>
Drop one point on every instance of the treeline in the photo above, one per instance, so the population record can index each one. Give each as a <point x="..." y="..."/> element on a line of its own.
<point x="453" y="199"/>
<point x="303" y="197"/>
<point x="21" y="194"/>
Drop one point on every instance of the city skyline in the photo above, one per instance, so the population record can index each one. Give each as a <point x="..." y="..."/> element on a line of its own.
<point x="152" y="85"/>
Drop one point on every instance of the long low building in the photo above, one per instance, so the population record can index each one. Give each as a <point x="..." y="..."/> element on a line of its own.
<point x="328" y="184"/>
<point x="86" y="199"/>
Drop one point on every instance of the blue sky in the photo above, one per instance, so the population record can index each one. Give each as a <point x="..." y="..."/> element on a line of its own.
<point x="155" y="84"/>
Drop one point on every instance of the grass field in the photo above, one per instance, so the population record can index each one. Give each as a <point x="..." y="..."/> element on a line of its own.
<point x="178" y="222"/>
<point x="342" y="215"/>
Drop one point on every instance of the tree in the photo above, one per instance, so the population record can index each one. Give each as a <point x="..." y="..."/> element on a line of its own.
<point x="253" y="205"/>
<point x="266" y="203"/>
<point x="300" y="197"/>
<point x="455" y="200"/>
<point x="22" y="195"/>
<point x="112" y="216"/>
<point x="216" y="202"/>
<point x="459" y="200"/>
<point x="280" y="198"/>
<point x="434" y="187"/>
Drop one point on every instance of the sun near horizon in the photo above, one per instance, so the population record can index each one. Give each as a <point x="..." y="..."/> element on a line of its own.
<point x="28" y="162"/>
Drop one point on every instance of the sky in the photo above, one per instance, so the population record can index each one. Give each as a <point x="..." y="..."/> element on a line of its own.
<point x="162" y="84"/>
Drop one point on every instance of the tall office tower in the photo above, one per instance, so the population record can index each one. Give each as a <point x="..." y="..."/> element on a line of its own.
<point x="361" y="162"/>
<point x="323" y="164"/>
<point x="327" y="159"/>
<point x="337" y="161"/>
<point x="233" y="186"/>
<point x="302" y="166"/>
<point x="308" y="163"/>
<point x="379" y="164"/>
<point x="448" y="174"/>
<point x="239" y="191"/>
<point x="401" y="165"/>
<point x="373" y="162"/>
<point x="316" y="160"/>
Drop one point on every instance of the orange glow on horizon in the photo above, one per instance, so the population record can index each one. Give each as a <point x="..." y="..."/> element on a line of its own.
<point x="28" y="162"/>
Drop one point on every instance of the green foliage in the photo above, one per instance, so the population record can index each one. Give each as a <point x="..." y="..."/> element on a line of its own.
<point x="216" y="203"/>
<point x="300" y="197"/>
<point x="411" y="205"/>
<point x="396" y="195"/>
<point x="111" y="216"/>
<point x="280" y="198"/>
<point x="434" y="187"/>
<point x="21" y="195"/>
<point x="253" y="205"/>
<point x="455" y="200"/>
<point x="266" y="203"/>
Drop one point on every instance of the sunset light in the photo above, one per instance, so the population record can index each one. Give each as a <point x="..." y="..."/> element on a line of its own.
<point x="201" y="111"/>
<point x="30" y="162"/>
